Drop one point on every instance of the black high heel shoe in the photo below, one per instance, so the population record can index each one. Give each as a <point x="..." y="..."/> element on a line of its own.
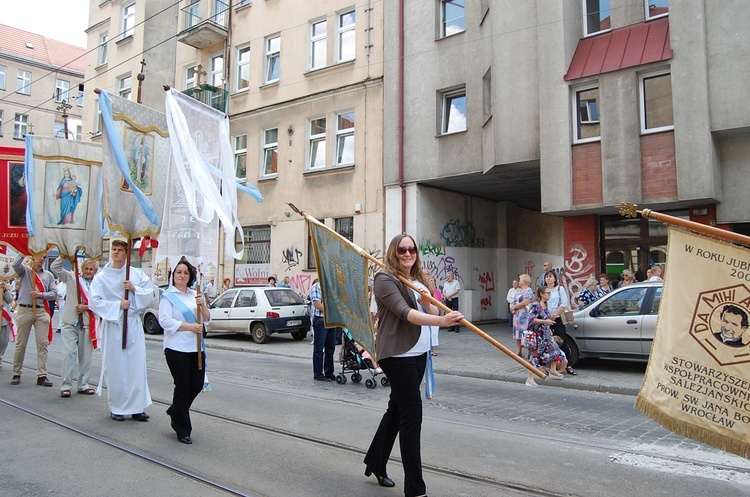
<point x="383" y="481"/>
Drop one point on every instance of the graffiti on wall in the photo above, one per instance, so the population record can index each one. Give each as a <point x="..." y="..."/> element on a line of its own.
<point x="486" y="284"/>
<point x="576" y="271"/>
<point x="372" y="267"/>
<point x="528" y="267"/>
<point x="439" y="266"/>
<point x="458" y="234"/>
<point x="301" y="283"/>
<point x="427" y="247"/>
<point x="290" y="257"/>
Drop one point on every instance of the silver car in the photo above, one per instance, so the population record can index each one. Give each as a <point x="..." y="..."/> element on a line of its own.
<point x="260" y="312"/>
<point x="620" y="324"/>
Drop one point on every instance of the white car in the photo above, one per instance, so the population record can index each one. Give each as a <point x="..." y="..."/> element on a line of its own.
<point x="260" y="312"/>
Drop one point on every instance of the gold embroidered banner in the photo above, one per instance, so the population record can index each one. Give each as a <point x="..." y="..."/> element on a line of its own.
<point x="697" y="383"/>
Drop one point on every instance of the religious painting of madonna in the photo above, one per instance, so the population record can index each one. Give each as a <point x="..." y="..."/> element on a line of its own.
<point x="139" y="152"/>
<point x="17" y="198"/>
<point x="66" y="194"/>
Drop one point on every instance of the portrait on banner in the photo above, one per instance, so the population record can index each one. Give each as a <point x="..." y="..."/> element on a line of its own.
<point x="66" y="188"/>
<point x="139" y="150"/>
<point x="720" y="324"/>
<point x="17" y="198"/>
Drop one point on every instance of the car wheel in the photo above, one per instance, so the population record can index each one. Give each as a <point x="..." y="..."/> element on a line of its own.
<point x="151" y="325"/>
<point x="299" y="335"/>
<point x="259" y="333"/>
<point x="574" y="354"/>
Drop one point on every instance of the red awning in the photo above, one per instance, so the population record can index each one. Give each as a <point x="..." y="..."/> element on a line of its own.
<point x="630" y="46"/>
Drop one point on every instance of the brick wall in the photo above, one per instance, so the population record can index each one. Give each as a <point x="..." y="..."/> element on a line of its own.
<point x="658" y="167"/>
<point x="587" y="173"/>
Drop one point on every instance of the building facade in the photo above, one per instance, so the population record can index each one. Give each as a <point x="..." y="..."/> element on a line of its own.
<point x="516" y="128"/>
<point x="38" y="76"/>
<point x="302" y="84"/>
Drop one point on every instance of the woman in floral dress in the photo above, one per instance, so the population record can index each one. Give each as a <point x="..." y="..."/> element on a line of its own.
<point x="520" y="316"/>
<point x="543" y="351"/>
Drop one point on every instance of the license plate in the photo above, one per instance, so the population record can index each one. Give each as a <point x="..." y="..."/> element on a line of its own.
<point x="294" y="322"/>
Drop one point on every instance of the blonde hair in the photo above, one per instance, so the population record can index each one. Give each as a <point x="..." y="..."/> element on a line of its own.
<point x="524" y="278"/>
<point x="590" y="281"/>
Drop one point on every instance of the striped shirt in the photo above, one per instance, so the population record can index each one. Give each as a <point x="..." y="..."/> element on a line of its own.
<point x="27" y="283"/>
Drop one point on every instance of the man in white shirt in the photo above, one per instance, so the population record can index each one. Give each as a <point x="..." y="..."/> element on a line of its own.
<point x="210" y="292"/>
<point x="451" y="287"/>
<point x="655" y="273"/>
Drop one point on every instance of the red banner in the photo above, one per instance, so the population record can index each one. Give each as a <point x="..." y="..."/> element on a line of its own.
<point x="13" y="199"/>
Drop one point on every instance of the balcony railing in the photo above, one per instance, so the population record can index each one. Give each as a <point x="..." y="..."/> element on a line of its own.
<point x="209" y="95"/>
<point x="204" y="23"/>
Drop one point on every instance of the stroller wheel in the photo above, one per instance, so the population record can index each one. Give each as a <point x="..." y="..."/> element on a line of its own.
<point x="356" y="377"/>
<point x="341" y="379"/>
<point x="384" y="381"/>
<point x="370" y="383"/>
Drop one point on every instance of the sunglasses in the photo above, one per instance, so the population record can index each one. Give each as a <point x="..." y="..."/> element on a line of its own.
<point x="403" y="250"/>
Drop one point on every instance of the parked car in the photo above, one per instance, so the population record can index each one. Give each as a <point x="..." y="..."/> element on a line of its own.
<point x="151" y="315"/>
<point x="260" y="312"/>
<point x="620" y="324"/>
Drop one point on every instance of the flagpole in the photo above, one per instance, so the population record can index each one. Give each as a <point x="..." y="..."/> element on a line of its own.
<point x="78" y="293"/>
<point x="127" y="277"/>
<point x="628" y="209"/>
<point x="437" y="303"/>
<point x="199" y="336"/>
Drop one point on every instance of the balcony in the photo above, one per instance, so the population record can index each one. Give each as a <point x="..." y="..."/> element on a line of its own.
<point x="209" y="95"/>
<point x="204" y="23"/>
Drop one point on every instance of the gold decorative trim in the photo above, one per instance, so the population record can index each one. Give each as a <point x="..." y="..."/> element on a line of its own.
<point x="142" y="129"/>
<point x="74" y="160"/>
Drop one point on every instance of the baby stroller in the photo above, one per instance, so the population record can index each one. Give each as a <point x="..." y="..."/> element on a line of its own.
<point x="353" y="361"/>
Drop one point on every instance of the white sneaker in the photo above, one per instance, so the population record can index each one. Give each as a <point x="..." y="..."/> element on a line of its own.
<point x="378" y="371"/>
<point x="555" y="376"/>
<point x="531" y="383"/>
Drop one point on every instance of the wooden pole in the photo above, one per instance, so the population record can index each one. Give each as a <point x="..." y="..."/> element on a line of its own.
<point x="628" y="209"/>
<point x="438" y="304"/>
<point x="199" y="336"/>
<point x="125" y="317"/>
<point x="78" y="287"/>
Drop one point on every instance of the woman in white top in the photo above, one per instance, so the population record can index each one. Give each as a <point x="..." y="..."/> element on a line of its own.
<point x="177" y="315"/>
<point x="557" y="304"/>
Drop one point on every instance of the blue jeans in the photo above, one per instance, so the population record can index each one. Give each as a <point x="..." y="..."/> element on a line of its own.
<point x="324" y="347"/>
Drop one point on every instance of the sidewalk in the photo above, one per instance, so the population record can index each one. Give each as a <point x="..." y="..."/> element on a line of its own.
<point x="468" y="354"/>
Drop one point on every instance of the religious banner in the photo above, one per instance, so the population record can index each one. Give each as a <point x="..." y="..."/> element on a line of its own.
<point x="343" y="273"/>
<point x="13" y="199"/>
<point x="64" y="187"/>
<point x="698" y="379"/>
<point x="7" y="256"/>
<point x="135" y="160"/>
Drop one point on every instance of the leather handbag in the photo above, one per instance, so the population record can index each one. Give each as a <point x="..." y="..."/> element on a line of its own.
<point x="567" y="317"/>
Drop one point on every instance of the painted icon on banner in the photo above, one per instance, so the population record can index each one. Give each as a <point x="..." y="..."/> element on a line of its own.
<point x="139" y="148"/>
<point x="17" y="199"/>
<point x="720" y="324"/>
<point x="66" y="195"/>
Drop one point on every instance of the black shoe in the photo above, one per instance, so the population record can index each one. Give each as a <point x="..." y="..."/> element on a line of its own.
<point x="383" y="481"/>
<point x="117" y="417"/>
<point x="141" y="416"/>
<point x="185" y="440"/>
<point x="331" y="377"/>
<point x="43" y="381"/>
<point x="15" y="380"/>
<point x="321" y="378"/>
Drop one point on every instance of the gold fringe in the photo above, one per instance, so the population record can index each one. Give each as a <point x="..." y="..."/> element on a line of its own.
<point x="692" y="431"/>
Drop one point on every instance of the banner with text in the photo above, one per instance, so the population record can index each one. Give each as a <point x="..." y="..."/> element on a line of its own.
<point x="13" y="199"/>
<point x="697" y="383"/>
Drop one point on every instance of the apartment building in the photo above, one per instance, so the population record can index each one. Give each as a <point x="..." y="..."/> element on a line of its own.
<point x="38" y="76"/>
<point x="302" y="84"/>
<point x="516" y="127"/>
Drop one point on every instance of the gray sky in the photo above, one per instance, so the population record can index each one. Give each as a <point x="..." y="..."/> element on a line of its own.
<point x="63" y="20"/>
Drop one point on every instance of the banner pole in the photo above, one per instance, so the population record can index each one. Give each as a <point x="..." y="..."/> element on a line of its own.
<point x="520" y="360"/>
<point x="127" y="277"/>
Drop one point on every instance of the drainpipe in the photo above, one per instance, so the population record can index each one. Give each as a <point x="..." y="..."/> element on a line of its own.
<point x="401" y="112"/>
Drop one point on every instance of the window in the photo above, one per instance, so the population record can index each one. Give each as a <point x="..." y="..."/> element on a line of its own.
<point x="79" y="100"/>
<point x="246" y="298"/>
<point x="344" y="226"/>
<point x="240" y="157"/>
<point x="79" y="132"/>
<point x="20" y="126"/>
<point x="62" y="90"/>
<point x="595" y="16"/>
<point x="2" y="77"/>
<point x="345" y="138"/>
<point x="270" y="151"/>
<point x="257" y="245"/>
<point x="23" y="82"/>
<point x="243" y="68"/>
<point x="452" y="17"/>
<point x="101" y="58"/>
<point x="273" y="59"/>
<point x="345" y="37"/>
<point x="1" y="122"/>
<point x="454" y="111"/>
<point x="487" y="95"/>
<point x="317" y="143"/>
<point x="128" y="21"/>
<point x="97" y="127"/>
<point x="587" y="114"/>
<point x="58" y="130"/>
<point x="656" y="8"/>
<point x="191" y="77"/>
<point x="656" y="102"/>
<point x="217" y="71"/>
<point x="192" y="14"/>
<point x="124" y="86"/>
<point x="318" y="42"/>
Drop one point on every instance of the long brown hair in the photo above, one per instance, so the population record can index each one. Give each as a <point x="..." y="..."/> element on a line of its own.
<point x="393" y="263"/>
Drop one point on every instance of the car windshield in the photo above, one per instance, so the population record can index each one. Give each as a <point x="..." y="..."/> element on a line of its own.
<point x="283" y="296"/>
